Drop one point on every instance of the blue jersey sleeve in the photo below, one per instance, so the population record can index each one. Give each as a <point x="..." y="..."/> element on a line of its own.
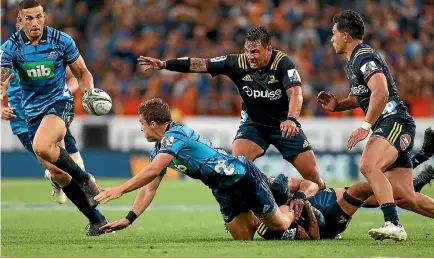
<point x="173" y="142"/>
<point x="70" y="50"/>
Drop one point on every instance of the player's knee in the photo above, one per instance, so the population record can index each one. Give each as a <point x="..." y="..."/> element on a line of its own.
<point x="367" y="168"/>
<point x="44" y="150"/>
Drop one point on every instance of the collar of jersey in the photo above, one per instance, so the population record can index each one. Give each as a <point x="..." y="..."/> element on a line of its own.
<point x="28" y="42"/>
<point x="358" y="46"/>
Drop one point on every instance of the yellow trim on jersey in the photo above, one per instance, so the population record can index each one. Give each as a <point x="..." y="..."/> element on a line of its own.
<point x="363" y="51"/>
<point x="242" y="61"/>
<point x="262" y="229"/>
<point x="394" y="133"/>
<point x="277" y="59"/>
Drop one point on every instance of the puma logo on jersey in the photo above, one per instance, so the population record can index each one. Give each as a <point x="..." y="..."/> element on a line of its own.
<point x="247" y="78"/>
<point x="39" y="70"/>
<point x="272" y="95"/>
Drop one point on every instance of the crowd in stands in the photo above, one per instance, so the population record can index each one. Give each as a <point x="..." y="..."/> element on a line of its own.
<point x="111" y="34"/>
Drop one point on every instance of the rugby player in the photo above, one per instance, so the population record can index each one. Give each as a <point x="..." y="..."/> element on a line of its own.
<point x="39" y="55"/>
<point x="16" y="117"/>
<point x="266" y="79"/>
<point x="387" y="151"/>
<point x="239" y="187"/>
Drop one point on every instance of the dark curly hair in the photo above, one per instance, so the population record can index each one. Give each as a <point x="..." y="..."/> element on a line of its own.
<point x="258" y="33"/>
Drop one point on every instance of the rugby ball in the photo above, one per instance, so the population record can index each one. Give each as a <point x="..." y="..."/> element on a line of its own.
<point x="96" y="102"/>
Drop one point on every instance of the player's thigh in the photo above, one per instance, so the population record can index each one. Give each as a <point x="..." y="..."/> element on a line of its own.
<point x="379" y="153"/>
<point x="243" y="226"/>
<point x="249" y="142"/>
<point x="305" y="163"/>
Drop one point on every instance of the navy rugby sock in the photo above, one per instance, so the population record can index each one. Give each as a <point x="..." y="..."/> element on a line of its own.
<point x="390" y="213"/>
<point x="67" y="164"/>
<point x="419" y="158"/>
<point x="76" y="194"/>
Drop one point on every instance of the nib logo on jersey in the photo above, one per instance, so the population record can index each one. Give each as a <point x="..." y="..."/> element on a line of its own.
<point x="39" y="70"/>
<point x="272" y="95"/>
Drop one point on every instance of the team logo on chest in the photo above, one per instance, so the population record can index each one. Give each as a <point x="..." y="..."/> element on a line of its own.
<point x="272" y="80"/>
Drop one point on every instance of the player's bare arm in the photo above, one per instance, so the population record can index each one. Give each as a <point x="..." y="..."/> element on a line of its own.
<point x="144" y="177"/>
<point x="143" y="199"/>
<point x="379" y="96"/>
<point x="6" y="77"/>
<point x="289" y="127"/>
<point x="308" y="188"/>
<point x="80" y="71"/>
<point x="313" y="227"/>
<point x="71" y="81"/>
<point x="186" y="65"/>
<point x="329" y="102"/>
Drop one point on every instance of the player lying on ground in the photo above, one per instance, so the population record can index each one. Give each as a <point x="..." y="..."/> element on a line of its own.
<point x="386" y="161"/>
<point x="39" y="55"/>
<point x="239" y="187"/>
<point x="266" y="79"/>
<point x="16" y="116"/>
<point x="336" y="212"/>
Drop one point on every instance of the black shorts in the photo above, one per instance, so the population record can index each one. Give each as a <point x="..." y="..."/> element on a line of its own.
<point x="399" y="129"/>
<point x="249" y="193"/>
<point x="336" y="220"/>
<point x="265" y="136"/>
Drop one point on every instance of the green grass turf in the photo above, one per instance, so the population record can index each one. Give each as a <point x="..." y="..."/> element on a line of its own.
<point x="159" y="233"/>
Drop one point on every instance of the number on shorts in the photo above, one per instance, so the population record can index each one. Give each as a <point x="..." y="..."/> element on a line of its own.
<point x="390" y="108"/>
<point x="222" y="166"/>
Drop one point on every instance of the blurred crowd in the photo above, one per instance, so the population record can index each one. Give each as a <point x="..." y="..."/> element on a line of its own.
<point x="111" y="34"/>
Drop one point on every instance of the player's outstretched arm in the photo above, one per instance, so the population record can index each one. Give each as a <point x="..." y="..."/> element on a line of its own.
<point x="184" y="65"/>
<point x="83" y="75"/>
<point x="143" y="199"/>
<point x="144" y="177"/>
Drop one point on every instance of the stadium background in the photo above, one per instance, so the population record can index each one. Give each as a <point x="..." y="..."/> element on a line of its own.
<point x="111" y="34"/>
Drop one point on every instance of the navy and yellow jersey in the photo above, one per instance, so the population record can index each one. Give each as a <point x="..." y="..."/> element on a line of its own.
<point x="14" y="94"/>
<point x="364" y="63"/>
<point x="198" y="158"/>
<point x="265" y="101"/>
<point x="41" y="68"/>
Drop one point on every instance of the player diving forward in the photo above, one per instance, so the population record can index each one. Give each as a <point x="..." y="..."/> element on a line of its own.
<point x="266" y="79"/>
<point x="40" y="54"/>
<point x="16" y="116"/>
<point x="386" y="161"/>
<point x="239" y="187"/>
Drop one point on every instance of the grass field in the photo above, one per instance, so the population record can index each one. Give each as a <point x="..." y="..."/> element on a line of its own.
<point x="184" y="222"/>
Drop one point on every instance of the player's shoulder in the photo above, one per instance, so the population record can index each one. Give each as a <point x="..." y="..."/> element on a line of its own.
<point x="13" y="43"/>
<point x="178" y="130"/>
<point x="362" y="53"/>
<point x="281" y="60"/>
<point x="57" y="37"/>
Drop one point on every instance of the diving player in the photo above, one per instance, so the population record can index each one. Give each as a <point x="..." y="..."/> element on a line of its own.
<point x="237" y="184"/>
<point x="266" y="79"/>
<point x="39" y="54"/>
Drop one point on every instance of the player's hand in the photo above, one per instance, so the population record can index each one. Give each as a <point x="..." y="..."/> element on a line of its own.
<point x="327" y="100"/>
<point x="4" y="83"/>
<point x="147" y="63"/>
<point x="357" y="136"/>
<point x="108" y="194"/>
<point x="116" y="225"/>
<point x="297" y="206"/>
<point x="8" y="113"/>
<point x="289" y="128"/>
